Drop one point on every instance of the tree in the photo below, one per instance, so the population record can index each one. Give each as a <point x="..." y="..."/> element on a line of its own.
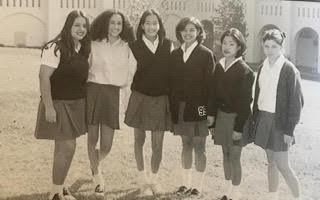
<point x="229" y="14"/>
<point x="135" y="10"/>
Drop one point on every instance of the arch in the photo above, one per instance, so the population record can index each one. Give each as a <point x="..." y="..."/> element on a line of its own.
<point x="260" y="55"/>
<point x="23" y="13"/>
<point x="306" y="51"/>
<point x="23" y="29"/>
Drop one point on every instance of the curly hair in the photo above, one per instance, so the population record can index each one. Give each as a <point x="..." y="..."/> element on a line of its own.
<point x="100" y="26"/>
<point x="190" y="20"/>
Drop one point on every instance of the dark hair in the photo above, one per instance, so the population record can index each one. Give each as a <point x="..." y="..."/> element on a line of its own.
<point x="238" y="38"/>
<point x="64" y="42"/>
<point x="190" y="20"/>
<point x="161" y="32"/>
<point x="275" y="35"/>
<point x="100" y="26"/>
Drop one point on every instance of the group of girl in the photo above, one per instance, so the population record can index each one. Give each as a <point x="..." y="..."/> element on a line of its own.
<point x="84" y="69"/>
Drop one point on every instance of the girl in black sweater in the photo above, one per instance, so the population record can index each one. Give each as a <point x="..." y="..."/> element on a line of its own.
<point x="229" y="105"/>
<point x="191" y="66"/>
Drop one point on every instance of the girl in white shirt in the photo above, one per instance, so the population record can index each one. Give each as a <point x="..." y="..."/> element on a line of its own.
<point x="112" y="66"/>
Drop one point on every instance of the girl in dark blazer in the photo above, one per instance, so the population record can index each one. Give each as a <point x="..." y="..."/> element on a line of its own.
<point x="278" y="101"/>
<point x="191" y="66"/>
<point x="229" y="106"/>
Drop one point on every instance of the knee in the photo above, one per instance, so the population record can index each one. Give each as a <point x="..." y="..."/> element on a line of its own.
<point x="105" y="149"/>
<point x="66" y="147"/>
<point x="139" y="141"/>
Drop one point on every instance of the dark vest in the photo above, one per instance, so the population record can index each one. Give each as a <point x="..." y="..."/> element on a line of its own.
<point x="152" y="75"/>
<point x="68" y="81"/>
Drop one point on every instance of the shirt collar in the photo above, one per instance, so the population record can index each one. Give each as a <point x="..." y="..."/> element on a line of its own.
<point x="115" y="43"/>
<point x="223" y="63"/>
<point x="151" y="45"/>
<point x="278" y="64"/>
<point x="190" y="48"/>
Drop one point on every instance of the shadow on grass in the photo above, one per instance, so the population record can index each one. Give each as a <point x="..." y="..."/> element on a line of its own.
<point x="86" y="194"/>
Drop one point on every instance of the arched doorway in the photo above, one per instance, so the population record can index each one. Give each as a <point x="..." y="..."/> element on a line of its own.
<point x="261" y="55"/>
<point x="307" y="50"/>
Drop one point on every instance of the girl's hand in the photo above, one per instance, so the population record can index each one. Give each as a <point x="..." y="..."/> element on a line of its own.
<point x="236" y="135"/>
<point x="51" y="115"/>
<point x="288" y="139"/>
<point x="210" y="120"/>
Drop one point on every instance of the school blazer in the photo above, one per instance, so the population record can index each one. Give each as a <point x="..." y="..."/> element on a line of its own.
<point x="189" y="83"/>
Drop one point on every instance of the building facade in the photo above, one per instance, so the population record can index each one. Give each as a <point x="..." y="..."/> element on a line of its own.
<point x="33" y="22"/>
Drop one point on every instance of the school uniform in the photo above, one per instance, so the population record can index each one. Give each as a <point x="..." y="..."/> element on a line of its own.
<point x="229" y="100"/>
<point x="148" y="107"/>
<point x="230" y="97"/>
<point x="68" y="90"/>
<point x="189" y="78"/>
<point x="111" y="67"/>
<point x="277" y="104"/>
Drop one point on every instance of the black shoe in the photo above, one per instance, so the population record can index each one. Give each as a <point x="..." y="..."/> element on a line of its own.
<point x="195" y="192"/>
<point x="99" y="190"/>
<point x="182" y="190"/>
<point x="56" y="196"/>
<point x="224" y="197"/>
<point x="67" y="194"/>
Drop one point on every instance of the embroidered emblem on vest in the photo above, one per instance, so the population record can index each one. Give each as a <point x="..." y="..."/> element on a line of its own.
<point x="202" y="111"/>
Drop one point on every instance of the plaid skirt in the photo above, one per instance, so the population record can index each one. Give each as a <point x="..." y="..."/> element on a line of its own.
<point x="70" y="122"/>
<point x="148" y="112"/>
<point x="191" y="129"/>
<point x="103" y="105"/>
<point x="267" y="136"/>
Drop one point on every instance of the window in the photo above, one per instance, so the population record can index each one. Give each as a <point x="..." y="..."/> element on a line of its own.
<point x="124" y="4"/>
<point x="262" y="8"/>
<point x="0" y="2"/>
<point x="32" y="3"/>
<point x="271" y="10"/>
<point x="27" y="3"/>
<point x="303" y="12"/>
<point x="298" y="12"/>
<point x="119" y="3"/>
<point x="8" y="3"/>
<point x="67" y="5"/>
<point x="39" y="3"/>
<point x="83" y="3"/>
<point x="280" y="12"/>
<point x="267" y="10"/>
<point x="276" y="10"/>
<point x="89" y="3"/>
<point x="313" y="12"/>
<point x="72" y="3"/>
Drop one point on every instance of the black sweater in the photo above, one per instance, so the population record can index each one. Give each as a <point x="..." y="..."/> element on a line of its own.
<point x="152" y="75"/>
<point x="68" y="81"/>
<point x="231" y="92"/>
<point x="189" y="83"/>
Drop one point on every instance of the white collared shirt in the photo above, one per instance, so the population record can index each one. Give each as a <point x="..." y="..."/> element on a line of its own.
<point x="112" y="64"/>
<point x="268" y="83"/>
<point x="223" y="63"/>
<point x="151" y="45"/>
<point x="49" y="59"/>
<point x="187" y="53"/>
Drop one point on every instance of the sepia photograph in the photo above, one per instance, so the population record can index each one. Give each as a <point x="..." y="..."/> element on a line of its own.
<point x="159" y="99"/>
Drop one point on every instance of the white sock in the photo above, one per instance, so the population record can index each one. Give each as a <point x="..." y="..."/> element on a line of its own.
<point x="228" y="187"/>
<point x="198" y="180"/>
<point x="154" y="178"/>
<point x="186" y="177"/>
<point x="235" y="192"/>
<point x="55" y="189"/>
<point x="273" y="195"/>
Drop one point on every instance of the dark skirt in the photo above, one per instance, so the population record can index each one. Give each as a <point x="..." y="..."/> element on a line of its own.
<point x="191" y="129"/>
<point x="70" y="122"/>
<point x="267" y="136"/>
<point x="103" y="105"/>
<point x="148" y="112"/>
